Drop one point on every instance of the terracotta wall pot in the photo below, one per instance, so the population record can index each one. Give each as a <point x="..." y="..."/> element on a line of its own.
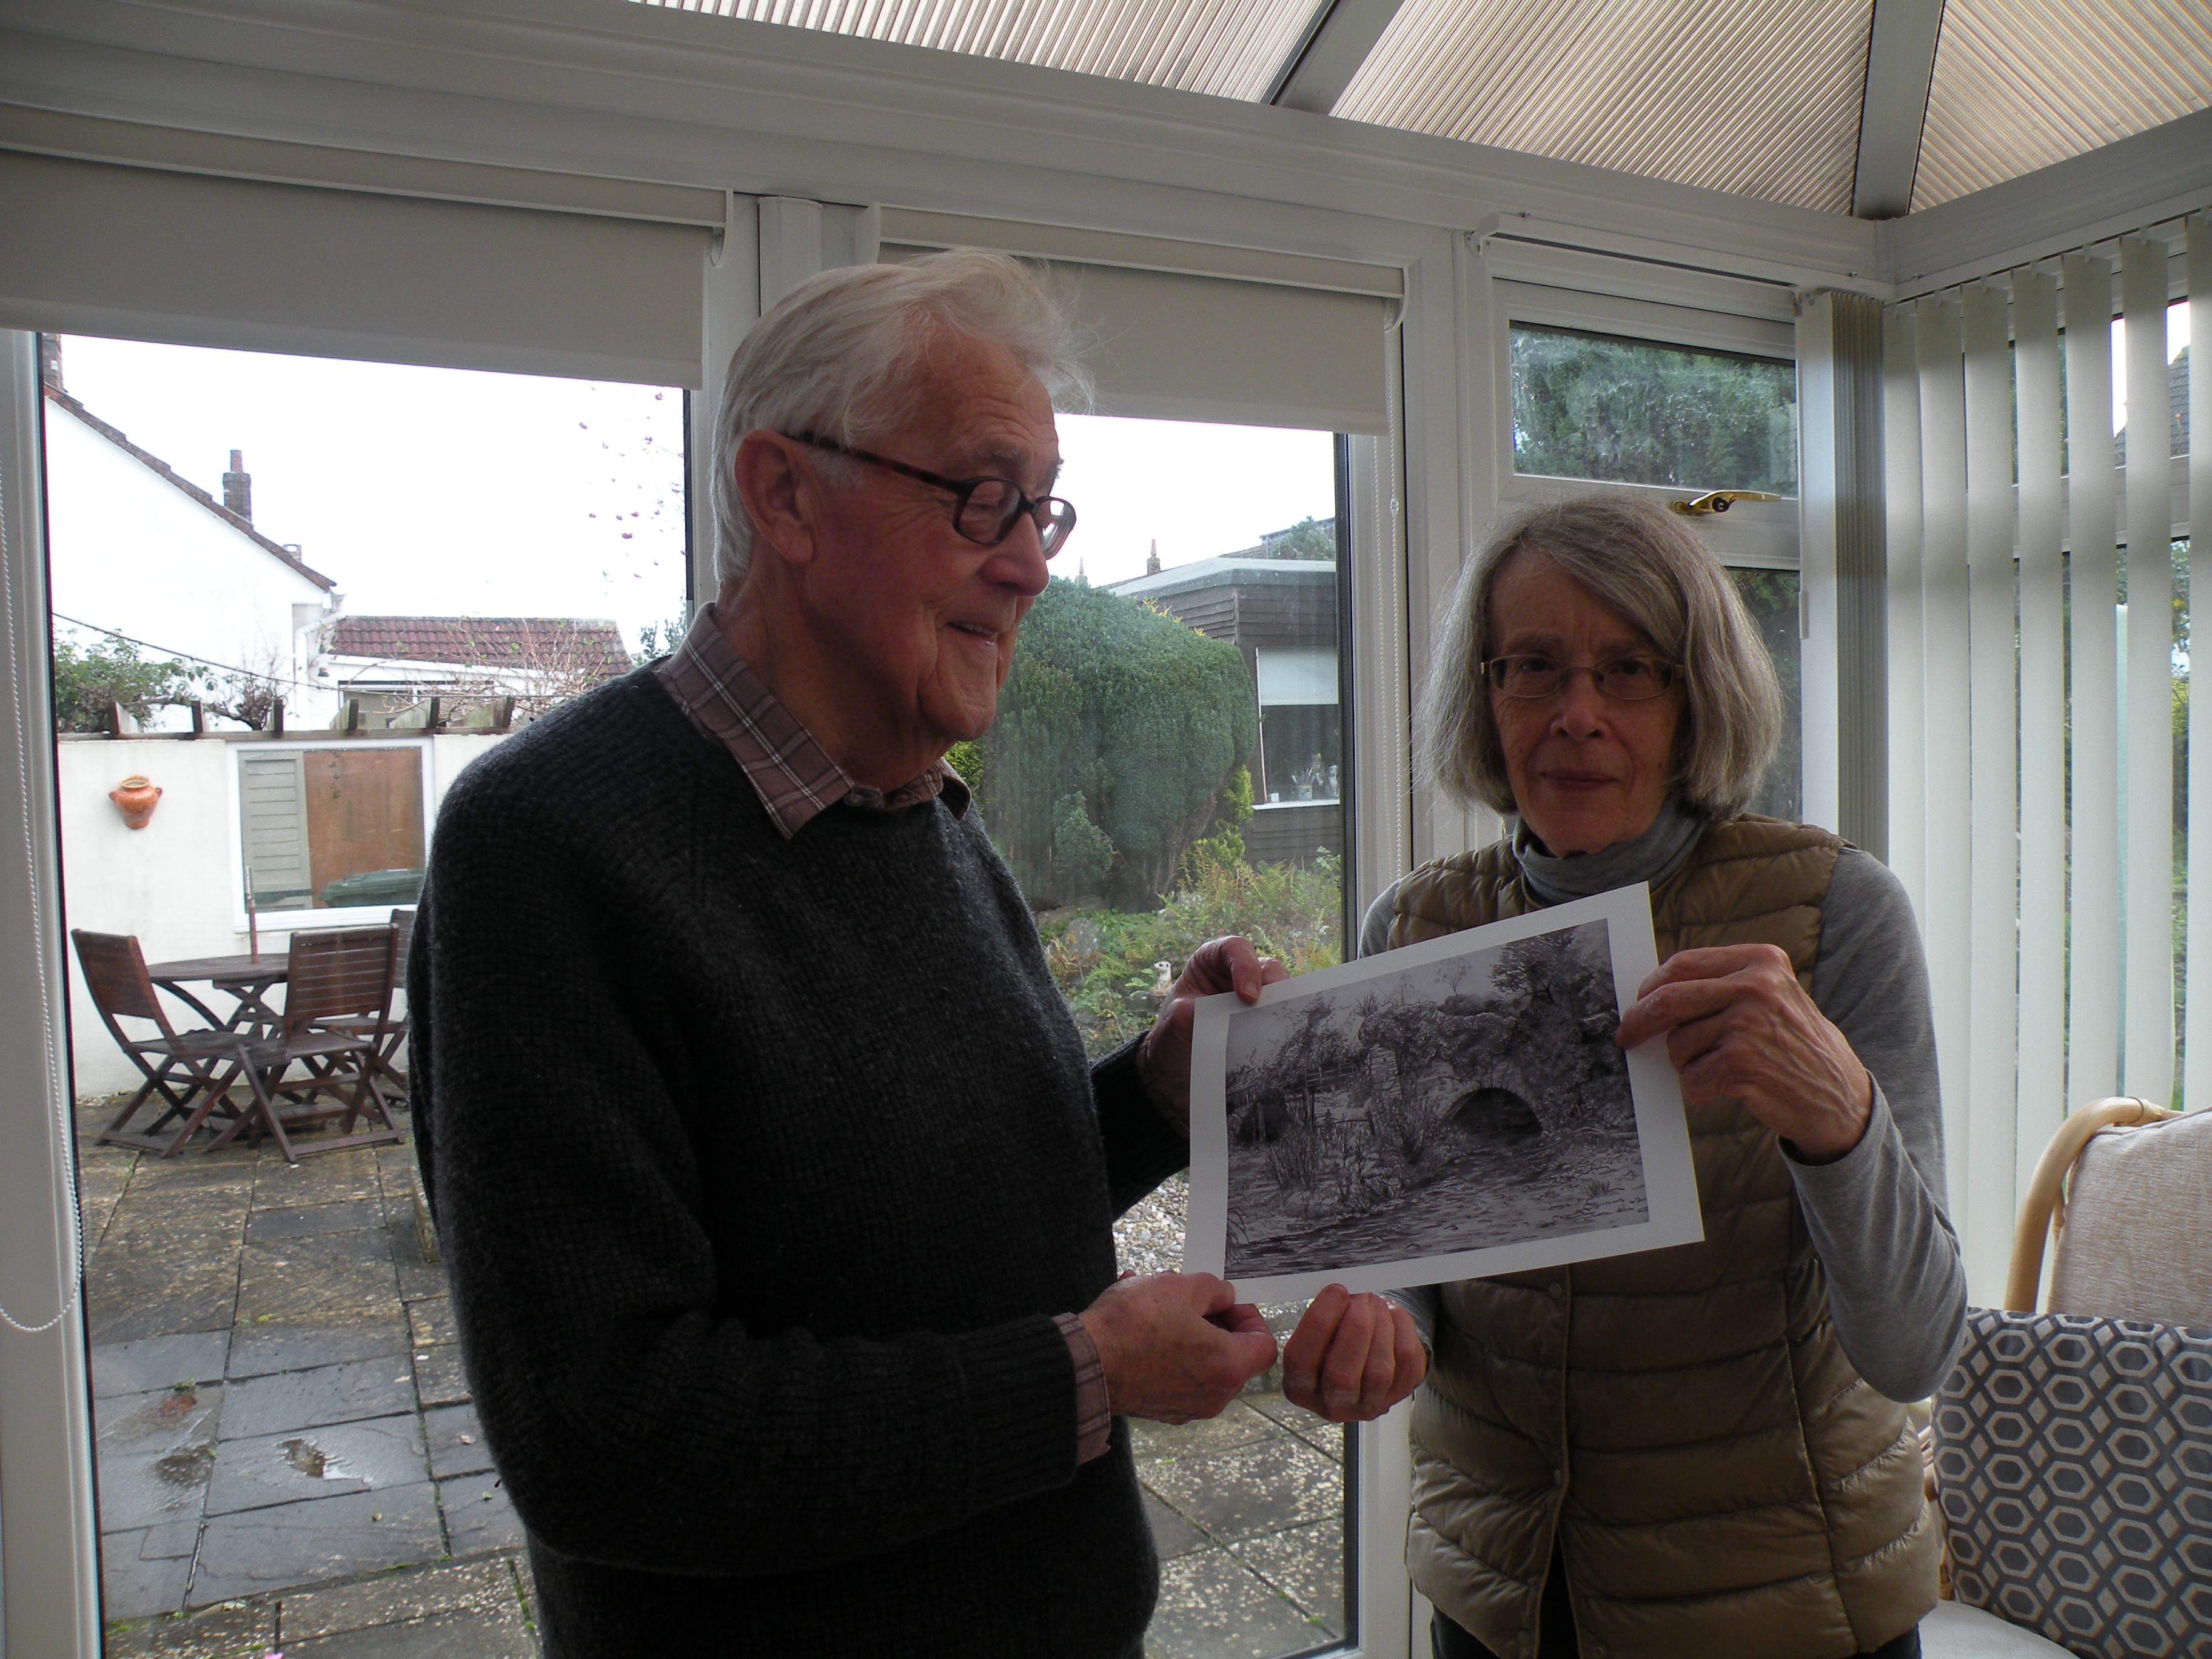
<point x="135" y="798"/>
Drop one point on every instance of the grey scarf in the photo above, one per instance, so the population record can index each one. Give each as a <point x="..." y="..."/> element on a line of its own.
<point x="1652" y="857"/>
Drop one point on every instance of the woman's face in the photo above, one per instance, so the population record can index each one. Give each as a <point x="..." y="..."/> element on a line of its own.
<point x="1586" y="772"/>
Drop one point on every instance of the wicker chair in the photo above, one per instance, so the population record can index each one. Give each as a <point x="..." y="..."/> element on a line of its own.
<point x="2061" y="1436"/>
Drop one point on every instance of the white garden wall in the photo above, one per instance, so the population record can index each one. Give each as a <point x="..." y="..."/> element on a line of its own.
<point x="170" y="883"/>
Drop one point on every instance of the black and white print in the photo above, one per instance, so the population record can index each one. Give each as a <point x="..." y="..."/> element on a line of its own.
<point x="1473" y="1102"/>
<point x="1457" y="1107"/>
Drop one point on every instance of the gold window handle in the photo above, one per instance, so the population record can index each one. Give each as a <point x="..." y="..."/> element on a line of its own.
<point x="1719" y="501"/>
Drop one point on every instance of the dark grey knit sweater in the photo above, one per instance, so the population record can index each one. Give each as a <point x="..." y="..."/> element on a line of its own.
<point x="760" y="1167"/>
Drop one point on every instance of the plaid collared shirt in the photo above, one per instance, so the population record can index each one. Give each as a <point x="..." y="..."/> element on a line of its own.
<point x="792" y="773"/>
<point x="796" y="780"/>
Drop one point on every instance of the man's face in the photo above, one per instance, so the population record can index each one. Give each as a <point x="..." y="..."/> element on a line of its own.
<point x="924" y="618"/>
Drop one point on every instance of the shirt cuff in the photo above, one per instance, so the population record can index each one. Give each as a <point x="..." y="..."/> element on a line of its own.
<point x="1094" y="1412"/>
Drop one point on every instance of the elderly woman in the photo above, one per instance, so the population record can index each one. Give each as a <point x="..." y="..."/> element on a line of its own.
<point x="1695" y="1451"/>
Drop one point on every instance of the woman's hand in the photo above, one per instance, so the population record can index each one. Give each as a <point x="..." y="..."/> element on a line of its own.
<point x="1353" y="1358"/>
<point x="1217" y="965"/>
<point x="1738" y="1022"/>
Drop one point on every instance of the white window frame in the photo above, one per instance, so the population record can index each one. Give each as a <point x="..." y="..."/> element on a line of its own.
<point x="350" y="915"/>
<point x="1758" y="535"/>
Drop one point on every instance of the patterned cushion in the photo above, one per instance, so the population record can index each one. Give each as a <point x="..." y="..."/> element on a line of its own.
<point x="2073" y="1455"/>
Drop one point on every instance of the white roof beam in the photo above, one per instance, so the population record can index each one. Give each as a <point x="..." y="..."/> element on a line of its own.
<point x="1335" y="44"/>
<point x="1901" y="63"/>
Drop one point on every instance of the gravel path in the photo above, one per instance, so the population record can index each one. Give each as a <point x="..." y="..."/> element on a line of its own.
<point x="1149" y="1239"/>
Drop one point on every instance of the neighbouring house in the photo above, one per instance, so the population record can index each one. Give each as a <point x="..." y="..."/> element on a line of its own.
<point x="1277" y="604"/>
<point x="140" y="553"/>
<point x="390" y="667"/>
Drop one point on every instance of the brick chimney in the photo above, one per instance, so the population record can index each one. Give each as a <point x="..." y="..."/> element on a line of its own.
<point x="238" y="487"/>
<point x="1152" y="560"/>
<point x="50" y="361"/>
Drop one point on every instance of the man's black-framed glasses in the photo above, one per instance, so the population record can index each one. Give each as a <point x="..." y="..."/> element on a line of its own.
<point x="1533" y="675"/>
<point x="987" y="509"/>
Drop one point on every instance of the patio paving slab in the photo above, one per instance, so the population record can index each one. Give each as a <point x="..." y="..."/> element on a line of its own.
<point x="157" y="1362"/>
<point x="1327" y="1439"/>
<point x="237" y="1630"/>
<point x="431" y="1321"/>
<point x="349" y="1393"/>
<point x="478" y="1517"/>
<point x="132" y="1586"/>
<point x="347" y="1215"/>
<point x="1172" y="1534"/>
<point x="167" y="1542"/>
<point x="155" y="1451"/>
<point x="1212" y="1608"/>
<point x="1305" y="1564"/>
<point x="456" y="1440"/>
<point x="101" y="1181"/>
<point x="1260" y="1488"/>
<point x="1237" y="1425"/>
<point x="192" y="1171"/>
<point x="439" y="1378"/>
<point x="418" y="1279"/>
<point x="467" y="1635"/>
<point x="342" y="1457"/>
<point x="320" y="1178"/>
<point x="314" y="1277"/>
<point x="151" y="1278"/>
<point x="401" y="1597"/>
<point x="295" y="1345"/>
<point x="322" y="1538"/>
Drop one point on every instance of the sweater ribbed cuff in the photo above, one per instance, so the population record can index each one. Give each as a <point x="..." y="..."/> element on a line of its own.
<point x="1021" y="1410"/>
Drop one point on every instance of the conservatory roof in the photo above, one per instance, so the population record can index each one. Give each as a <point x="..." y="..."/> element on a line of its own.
<point x="1865" y="106"/>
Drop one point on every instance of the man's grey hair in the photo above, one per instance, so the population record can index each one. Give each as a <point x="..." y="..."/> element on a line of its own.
<point x="1651" y="568"/>
<point x="840" y="355"/>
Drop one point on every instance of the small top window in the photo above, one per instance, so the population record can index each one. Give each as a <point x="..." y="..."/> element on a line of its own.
<point x="1635" y="411"/>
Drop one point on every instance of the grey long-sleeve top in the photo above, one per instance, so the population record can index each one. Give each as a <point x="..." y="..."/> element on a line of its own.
<point x="1897" y="1289"/>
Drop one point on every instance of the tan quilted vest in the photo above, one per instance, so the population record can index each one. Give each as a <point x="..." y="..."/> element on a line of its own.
<point x="1722" y="1482"/>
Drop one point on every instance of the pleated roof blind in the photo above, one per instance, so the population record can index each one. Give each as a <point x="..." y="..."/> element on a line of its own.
<point x="1229" y="47"/>
<point x="1750" y="96"/>
<point x="2020" y="85"/>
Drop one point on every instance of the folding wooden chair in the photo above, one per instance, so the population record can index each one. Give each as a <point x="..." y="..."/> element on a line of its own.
<point x="195" y="1066"/>
<point x="344" y="974"/>
<point x="392" y="1044"/>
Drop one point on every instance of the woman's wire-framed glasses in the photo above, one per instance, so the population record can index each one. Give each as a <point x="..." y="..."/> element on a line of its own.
<point x="1533" y="676"/>
<point x="987" y="509"/>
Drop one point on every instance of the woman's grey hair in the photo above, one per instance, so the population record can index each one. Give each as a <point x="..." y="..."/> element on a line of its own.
<point x="839" y="355"/>
<point x="1638" y="559"/>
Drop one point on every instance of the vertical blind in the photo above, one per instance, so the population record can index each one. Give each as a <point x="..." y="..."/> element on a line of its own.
<point x="2035" y="678"/>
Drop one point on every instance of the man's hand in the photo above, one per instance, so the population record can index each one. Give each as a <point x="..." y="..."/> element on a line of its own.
<point x="1217" y="965"/>
<point x="1176" y="1346"/>
<point x="1353" y="1358"/>
<point x="1738" y="1022"/>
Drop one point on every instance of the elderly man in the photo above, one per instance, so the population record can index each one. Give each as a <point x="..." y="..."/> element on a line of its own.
<point x="774" y="1183"/>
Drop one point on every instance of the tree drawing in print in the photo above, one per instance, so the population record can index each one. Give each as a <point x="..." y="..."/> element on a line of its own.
<point x="1476" y="1101"/>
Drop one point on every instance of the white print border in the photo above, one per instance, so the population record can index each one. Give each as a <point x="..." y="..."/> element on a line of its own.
<point x="1670" y="1182"/>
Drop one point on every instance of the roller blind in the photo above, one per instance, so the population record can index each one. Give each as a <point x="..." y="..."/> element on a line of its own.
<point x="1176" y="345"/>
<point x="138" y="252"/>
